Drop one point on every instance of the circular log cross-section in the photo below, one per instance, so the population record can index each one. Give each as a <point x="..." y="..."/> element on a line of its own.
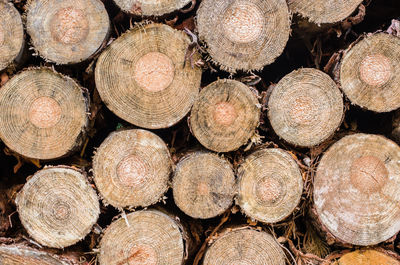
<point x="203" y="185"/>
<point x="144" y="237"/>
<point x="356" y="189"/>
<point x="245" y="246"/>
<point x="141" y="78"/>
<point x="131" y="168"/>
<point x="305" y="107"/>
<point x="67" y="31"/>
<point x="225" y="115"/>
<point x="368" y="256"/>
<point x="370" y="73"/>
<point x="152" y="7"/>
<point x="43" y="114"/>
<point x="270" y="185"/>
<point x="11" y="34"/>
<point x="244" y="34"/>
<point x="324" y="11"/>
<point x="57" y="206"/>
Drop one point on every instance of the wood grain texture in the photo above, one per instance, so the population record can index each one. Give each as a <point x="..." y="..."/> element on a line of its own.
<point x="367" y="257"/>
<point x="151" y="7"/>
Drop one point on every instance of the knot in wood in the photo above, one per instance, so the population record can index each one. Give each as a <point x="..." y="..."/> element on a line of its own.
<point x="225" y="113"/>
<point x="142" y="254"/>
<point x="376" y="70"/>
<point x="368" y="174"/>
<point x="132" y="171"/>
<point x="44" y="112"/>
<point x="69" y="25"/>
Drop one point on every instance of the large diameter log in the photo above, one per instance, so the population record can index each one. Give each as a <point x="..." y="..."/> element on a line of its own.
<point x="225" y="115"/>
<point x="142" y="76"/>
<point x="144" y="237"/>
<point x="356" y="188"/>
<point x="152" y="7"/>
<point x="67" y="31"/>
<point x="244" y="246"/>
<point x="131" y="168"/>
<point x="324" y="11"/>
<point x="57" y="206"/>
<point x="243" y="34"/>
<point x="270" y="185"/>
<point x="43" y="115"/>
<point x="305" y="107"/>
<point x="367" y="256"/>
<point x="203" y="185"/>
<point x="11" y="34"/>
<point x="370" y="72"/>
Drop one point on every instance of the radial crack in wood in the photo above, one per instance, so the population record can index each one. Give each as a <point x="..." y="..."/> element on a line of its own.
<point x="151" y="7"/>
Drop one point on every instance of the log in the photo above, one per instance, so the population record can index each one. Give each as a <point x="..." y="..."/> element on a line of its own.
<point x="367" y="256"/>
<point x="150" y="8"/>
<point x="356" y="190"/>
<point x="243" y="35"/>
<point x="270" y="185"/>
<point x="44" y="114"/>
<point x="305" y="107"/>
<point x="58" y="206"/>
<point x="203" y="185"/>
<point x="370" y="72"/>
<point x="244" y="246"/>
<point x="67" y="31"/>
<point x="131" y="168"/>
<point x="142" y="76"/>
<point x="12" y="38"/>
<point x="143" y="237"/>
<point x="225" y="115"/>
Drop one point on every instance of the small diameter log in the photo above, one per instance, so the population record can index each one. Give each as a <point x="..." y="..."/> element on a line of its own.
<point x="203" y="185"/>
<point x="244" y="246"/>
<point x="305" y="107"/>
<point x="144" y="237"/>
<point x="150" y="7"/>
<point x="57" y="206"/>
<point x="11" y="34"/>
<point x="270" y="185"/>
<point x="242" y="34"/>
<point x="225" y="115"/>
<point x="132" y="168"/>
<point x="368" y="257"/>
<point x="43" y="114"/>
<point x="324" y="11"/>
<point x="356" y="188"/>
<point x="370" y="72"/>
<point x="141" y="76"/>
<point x="67" y="31"/>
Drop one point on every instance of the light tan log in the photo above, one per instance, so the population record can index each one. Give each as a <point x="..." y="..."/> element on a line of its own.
<point x="270" y="185"/>
<point x="150" y="7"/>
<point x="225" y="115"/>
<point x="142" y="79"/>
<point x="57" y="206"/>
<point x="203" y="185"/>
<point x="356" y="189"/>
<point x="305" y="107"/>
<point x="244" y="246"/>
<point x="367" y="257"/>
<point x="11" y="34"/>
<point x="243" y="34"/>
<point x="67" y="31"/>
<point x="144" y="237"/>
<point x="44" y="114"/>
<point x="131" y="168"/>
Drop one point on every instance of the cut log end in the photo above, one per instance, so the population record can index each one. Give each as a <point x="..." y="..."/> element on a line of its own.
<point x="368" y="256"/>
<point x="152" y="7"/>
<point x="141" y="77"/>
<point x="244" y="35"/>
<point x="305" y="107"/>
<point x="203" y="185"/>
<point x="369" y="72"/>
<point x="270" y="185"/>
<point x="57" y="206"/>
<point x="131" y="168"/>
<point x="67" y="32"/>
<point x="244" y="246"/>
<point x="44" y="114"/>
<point x="355" y="189"/>
<point x="225" y="115"/>
<point x="144" y="237"/>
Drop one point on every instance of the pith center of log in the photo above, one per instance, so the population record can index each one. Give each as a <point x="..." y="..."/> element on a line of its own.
<point x="375" y="70"/>
<point x="69" y="25"/>
<point x="44" y="112"/>
<point x="303" y="110"/>
<point x="269" y="190"/>
<point x="154" y="71"/>
<point x="368" y="174"/>
<point x="132" y="171"/>
<point x="61" y="211"/>
<point x="142" y="254"/>
<point x="225" y="113"/>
